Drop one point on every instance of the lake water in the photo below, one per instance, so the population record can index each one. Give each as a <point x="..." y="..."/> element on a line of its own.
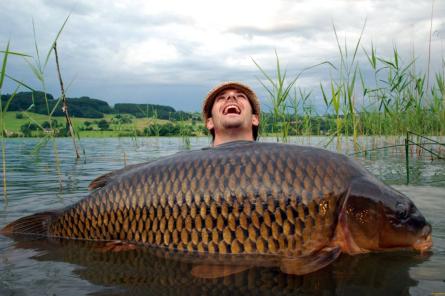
<point x="45" y="180"/>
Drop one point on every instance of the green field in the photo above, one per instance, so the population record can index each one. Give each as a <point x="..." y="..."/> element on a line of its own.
<point x="13" y="125"/>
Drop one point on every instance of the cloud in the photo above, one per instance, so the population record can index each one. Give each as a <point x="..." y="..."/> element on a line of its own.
<point x="70" y="6"/>
<point x="172" y="52"/>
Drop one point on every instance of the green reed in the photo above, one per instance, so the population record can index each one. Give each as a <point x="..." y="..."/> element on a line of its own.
<point x="278" y="88"/>
<point x="334" y="102"/>
<point x="404" y="101"/>
<point x="153" y="123"/>
<point x="4" y="109"/>
<point x="185" y="131"/>
<point x="394" y="99"/>
<point x="302" y="98"/>
<point x="2" y="125"/>
<point x="345" y="84"/>
<point x="38" y="68"/>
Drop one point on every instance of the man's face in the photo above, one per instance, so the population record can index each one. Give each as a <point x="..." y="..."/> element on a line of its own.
<point x="231" y="109"/>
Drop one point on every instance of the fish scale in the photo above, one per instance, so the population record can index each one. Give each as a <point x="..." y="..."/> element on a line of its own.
<point x="251" y="203"/>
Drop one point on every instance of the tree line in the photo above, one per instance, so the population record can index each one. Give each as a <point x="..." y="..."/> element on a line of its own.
<point x="86" y="107"/>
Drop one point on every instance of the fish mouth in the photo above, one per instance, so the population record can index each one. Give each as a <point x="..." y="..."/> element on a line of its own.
<point x="231" y="109"/>
<point x="425" y="243"/>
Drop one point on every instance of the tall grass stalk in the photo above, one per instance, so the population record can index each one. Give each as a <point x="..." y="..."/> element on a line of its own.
<point x="69" y="124"/>
<point x="335" y="103"/>
<point x="185" y="132"/>
<point x="347" y="75"/>
<point x="38" y="69"/>
<point x="429" y="46"/>
<point x="3" y="110"/>
<point x="154" y="123"/>
<point x="308" y="112"/>
<point x="2" y="131"/>
<point x="278" y="89"/>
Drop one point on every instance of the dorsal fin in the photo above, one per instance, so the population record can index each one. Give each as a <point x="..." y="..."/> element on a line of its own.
<point x="103" y="180"/>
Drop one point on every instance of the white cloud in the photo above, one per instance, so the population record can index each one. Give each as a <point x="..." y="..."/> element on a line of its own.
<point x="151" y="51"/>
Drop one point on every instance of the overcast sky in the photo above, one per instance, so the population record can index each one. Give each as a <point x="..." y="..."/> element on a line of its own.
<point x="173" y="52"/>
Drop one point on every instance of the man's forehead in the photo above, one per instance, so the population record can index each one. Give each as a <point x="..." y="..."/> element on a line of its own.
<point x="227" y="90"/>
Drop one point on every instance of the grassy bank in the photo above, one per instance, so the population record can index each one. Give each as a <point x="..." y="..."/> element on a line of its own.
<point x="20" y="124"/>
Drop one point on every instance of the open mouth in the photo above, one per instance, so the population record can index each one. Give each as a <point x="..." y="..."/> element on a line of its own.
<point x="231" y="109"/>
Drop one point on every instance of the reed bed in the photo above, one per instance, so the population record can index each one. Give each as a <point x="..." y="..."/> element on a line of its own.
<point x="396" y="99"/>
<point x="37" y="67"/>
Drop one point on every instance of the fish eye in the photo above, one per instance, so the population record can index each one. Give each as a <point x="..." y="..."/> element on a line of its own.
<point x="402" y="214"/>
<point x="402" y="211"/>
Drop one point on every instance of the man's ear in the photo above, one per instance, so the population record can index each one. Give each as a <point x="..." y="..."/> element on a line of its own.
<point x="209" y="123"/>
<point x="255" y="120"/>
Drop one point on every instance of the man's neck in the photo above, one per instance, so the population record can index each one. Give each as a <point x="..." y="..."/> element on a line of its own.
<point x="232" y="135"/>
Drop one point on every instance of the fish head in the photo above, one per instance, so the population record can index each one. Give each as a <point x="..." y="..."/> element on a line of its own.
<point x="376" y="217"/>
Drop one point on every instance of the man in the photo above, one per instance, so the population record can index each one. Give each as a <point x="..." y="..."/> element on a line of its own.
<point x="231" y="112"/>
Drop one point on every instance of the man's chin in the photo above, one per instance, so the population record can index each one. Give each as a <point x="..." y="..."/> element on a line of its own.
<point x="231" y="124"/>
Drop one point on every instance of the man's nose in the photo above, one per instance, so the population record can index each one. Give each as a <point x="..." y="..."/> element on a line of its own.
<point x="231" y="97"/>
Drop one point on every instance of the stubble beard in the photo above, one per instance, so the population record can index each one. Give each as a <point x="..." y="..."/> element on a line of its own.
<point x="230" y="124"/>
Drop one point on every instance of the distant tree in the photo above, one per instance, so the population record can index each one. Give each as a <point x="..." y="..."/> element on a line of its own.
<point x="122" y="119"/>
<point x="144" y="110"/>
<point x="87" y="126"/>
<point x="33" y="127"/>
<point x="169" y="129"/>
<point x="54" y="124"/>
<point x="28" y="128"/>
<point x="153" y="130"/>
<point x="46" y="124"/>
<point x="23" y="100"/>
<point x="19" y="115"/>
<point x="62" y="132"/>
<point x="126" y="119"/>
<point x="103" y="125"/>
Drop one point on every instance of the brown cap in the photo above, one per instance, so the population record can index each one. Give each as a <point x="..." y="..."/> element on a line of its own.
<point x="211" y="96"/>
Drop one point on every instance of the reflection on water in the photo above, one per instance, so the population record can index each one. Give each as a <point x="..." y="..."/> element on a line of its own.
<point x="141" y="272"/>
<point x="41" y="267"/>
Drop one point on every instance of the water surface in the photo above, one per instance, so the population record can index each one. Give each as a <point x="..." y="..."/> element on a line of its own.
<point x="51" y="180"/>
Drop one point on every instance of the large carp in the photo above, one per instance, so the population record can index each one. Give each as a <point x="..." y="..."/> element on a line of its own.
<point x="242" y="204"/>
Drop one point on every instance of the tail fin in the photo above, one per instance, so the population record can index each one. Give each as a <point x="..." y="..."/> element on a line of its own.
<point x="36" y="224"/>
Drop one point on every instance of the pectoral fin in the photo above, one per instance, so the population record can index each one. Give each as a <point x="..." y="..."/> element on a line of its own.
<point x="307" y="264"/>
<point x="116" y="246"/>
<point x="217" y="271"/>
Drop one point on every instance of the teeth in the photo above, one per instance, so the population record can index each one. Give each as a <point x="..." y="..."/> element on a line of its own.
<point x="231" y="106"/>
